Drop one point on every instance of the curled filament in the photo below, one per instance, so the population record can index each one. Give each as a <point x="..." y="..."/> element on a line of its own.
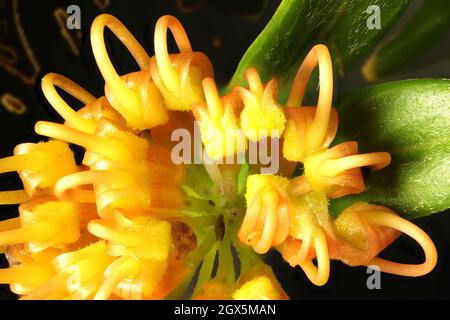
<point x="178" y="76"/>
<point x="134" y="96"/>
<point x="368" y="229"/>
<point x="86" y="118"/>
<point x="266" y="222"/>
<point x="310" y="226"/>
<point x="131" y="278"/>
<point x="302" y="252"/>
<point x="310" y="128"/>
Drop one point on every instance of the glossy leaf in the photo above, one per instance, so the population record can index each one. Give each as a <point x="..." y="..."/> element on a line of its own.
<point x="298" y="25"/>
<point x="411" y="120"/>
<point x="430" y="22"/>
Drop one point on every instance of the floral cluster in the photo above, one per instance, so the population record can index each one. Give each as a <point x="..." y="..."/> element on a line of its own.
<point x="128" y="223"/>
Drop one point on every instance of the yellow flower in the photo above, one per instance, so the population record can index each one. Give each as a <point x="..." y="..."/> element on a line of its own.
<point x="86" y="118"/>
<point x="262" y="116"/>
<point x="80" y="273"/>
<point x="364" y="230"/>
<point x="134" y="96"/>
<point x="336" y="171"/>
<point x="266" y="222"/>
<point x="27" y="271"/>
<point x="128" y="223"/>
<point x="40" y="165"/>
<point x="143" y="237"/>
<point x="219" y="128"/>
<point x="142" y="246"/>
<point x="214" y="289"/>
<point x="310" y="129"/>
<point x="178" y="76"/>
<point x="259" y="283"/>
<point x="44" y="224"/>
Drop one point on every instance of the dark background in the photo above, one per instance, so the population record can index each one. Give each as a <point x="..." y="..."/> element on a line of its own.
<point x="32" y="44"/>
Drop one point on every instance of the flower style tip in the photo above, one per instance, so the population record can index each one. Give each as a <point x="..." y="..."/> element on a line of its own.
<point x="262" y="116"/>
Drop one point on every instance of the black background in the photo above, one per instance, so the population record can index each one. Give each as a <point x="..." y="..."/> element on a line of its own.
<point x="223" y="30"/>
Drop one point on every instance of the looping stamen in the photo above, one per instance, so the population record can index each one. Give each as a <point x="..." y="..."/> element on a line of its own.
<point x="101" y="109"/>
<point x="83" y="269"/>
<point x="114" y="186"/>
<point x="168" y="74"/>
<point x="266" y="223"/>
<point x="299" y="121"/>
<point x="72" y="118"/>
<point x="142" y="246"/>
<point x="317" y="131"/>
<point x="152" y="111"/>
<point x="364" y="230"/>
<point x="120" y="269"/>
<point x="178" y="76"/>
<point x="124" y="99"/>
<point x="391" y="220"/>
<point x="318" y="275"/>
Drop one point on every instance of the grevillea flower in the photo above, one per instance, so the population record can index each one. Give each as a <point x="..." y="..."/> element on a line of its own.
<point x="128" y="222"/>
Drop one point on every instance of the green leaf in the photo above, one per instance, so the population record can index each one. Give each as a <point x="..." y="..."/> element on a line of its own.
<point x="430" y="22"/>
<point x="298" y="25"/>
<point x="411" y="120"/>
<point x="242" y="177"/>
